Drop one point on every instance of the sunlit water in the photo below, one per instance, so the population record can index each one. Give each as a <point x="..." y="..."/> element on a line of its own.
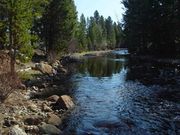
<point x="108" y="103"/>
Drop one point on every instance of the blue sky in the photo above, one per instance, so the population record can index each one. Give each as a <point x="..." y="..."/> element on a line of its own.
<point x="106" y="8"/>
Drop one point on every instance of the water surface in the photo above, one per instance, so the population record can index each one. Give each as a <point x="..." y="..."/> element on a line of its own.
<point x="115" y="97"/>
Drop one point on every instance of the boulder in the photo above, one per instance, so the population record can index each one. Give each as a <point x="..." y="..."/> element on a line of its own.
<point x="53" y="98"/>
<point x="54" y="120"/>
<point x="16" y="130"/>
<point x="65" y="102"/>
<point x="50" y="129"/>
<point x="44" y="68"/>
<point x="33" y="120"/>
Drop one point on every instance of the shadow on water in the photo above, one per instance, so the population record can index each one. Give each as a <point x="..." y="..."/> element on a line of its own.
<point x="116" y="95"/>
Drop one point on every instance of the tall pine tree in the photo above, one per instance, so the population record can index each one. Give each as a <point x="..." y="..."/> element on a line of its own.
<point x="17" y="16"/>
<point x="60" y="23"/>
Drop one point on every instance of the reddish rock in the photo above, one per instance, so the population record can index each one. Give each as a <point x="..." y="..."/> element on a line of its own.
<point x="65" y="102"/>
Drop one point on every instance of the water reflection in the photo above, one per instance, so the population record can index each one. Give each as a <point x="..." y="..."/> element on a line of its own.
<point x="102" y="66"/>
<point x="114" y="97"/>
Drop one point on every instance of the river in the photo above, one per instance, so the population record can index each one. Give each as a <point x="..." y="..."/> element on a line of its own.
<point x="115" y="98"/>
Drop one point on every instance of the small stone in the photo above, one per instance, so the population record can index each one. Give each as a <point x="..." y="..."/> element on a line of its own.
<point x="32" y="107"/>
<point x="63" y="70"/>
<point x="16" y="130"/>
<point x="22" y="86"/>
<point x="50" y="129"/>
<point x="53" y="98"/>
<point x="46" y="108"/>
<point x="54" y="120"/>
<point x="32" y="129"/>
<point x="35" y="88"/>
<point x="177" y="118"/>
<point x="33" y="120"/>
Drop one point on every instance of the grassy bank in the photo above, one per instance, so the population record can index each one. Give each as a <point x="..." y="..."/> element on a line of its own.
<point x="90" y="53"/>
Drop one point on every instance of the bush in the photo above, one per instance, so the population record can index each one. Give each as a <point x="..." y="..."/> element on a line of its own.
<point x="25" y="53"/>
<point x="8" y="84"/>
<point x="24" y="76"/>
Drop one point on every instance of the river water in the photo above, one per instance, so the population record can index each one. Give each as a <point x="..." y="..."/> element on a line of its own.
<point x="115" y="97"/>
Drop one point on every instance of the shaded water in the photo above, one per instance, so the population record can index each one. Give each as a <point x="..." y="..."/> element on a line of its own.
<point x="113" y="99"/>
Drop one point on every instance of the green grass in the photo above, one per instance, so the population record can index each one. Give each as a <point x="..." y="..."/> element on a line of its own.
<point x="24" y="76"/>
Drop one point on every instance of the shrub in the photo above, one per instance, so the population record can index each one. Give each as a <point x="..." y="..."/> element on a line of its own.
<point x="24" y="76"/>
<point x="8" y="84"/>
<point x="25" y="54"/>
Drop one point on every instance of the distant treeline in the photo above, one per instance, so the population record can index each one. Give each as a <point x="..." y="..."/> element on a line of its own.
<point x="152" y="27"/>
<point x="99" y="33"/>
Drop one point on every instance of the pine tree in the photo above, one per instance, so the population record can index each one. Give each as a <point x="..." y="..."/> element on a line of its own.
<point x="101" y="33"/>
<point x="3" y="37"/>
<point x="119" y="34"/>
<point x="82" y="34"/>
<point x="92" y="33"/>
<point x="18" y="14"/>
<point x="60" y="21"/>
<point x="152" y="26"/>
<point x="104" y="32"/>
<point x="97" y="17"/>
<point x="38" y="9"/>
<point x="111" y="37"/>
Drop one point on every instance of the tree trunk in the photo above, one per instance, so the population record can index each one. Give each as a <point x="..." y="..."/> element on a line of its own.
<point x="11" y="50"/>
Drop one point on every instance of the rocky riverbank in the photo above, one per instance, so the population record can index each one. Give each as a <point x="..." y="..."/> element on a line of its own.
<point x="29" y="110"/>
<point x="40" y="104"/>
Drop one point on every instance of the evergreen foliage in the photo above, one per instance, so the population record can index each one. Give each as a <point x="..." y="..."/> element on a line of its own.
<point x="59" y="26"/>
<point x="101" y="33"/>
<point x="16" y="23"/>
<point x="152" y="26"/>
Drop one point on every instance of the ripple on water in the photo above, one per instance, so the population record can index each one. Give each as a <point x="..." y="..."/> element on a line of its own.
<point x="111" y="105"/>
